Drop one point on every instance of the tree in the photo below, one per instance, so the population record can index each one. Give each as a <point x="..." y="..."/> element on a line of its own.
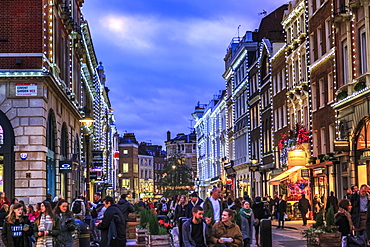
<point x="177" y="176"/>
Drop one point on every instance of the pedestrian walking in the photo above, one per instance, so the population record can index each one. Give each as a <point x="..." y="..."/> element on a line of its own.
<point x="343" y="220"/>
<point x="260" y="212"/>
<point x="112" y="225"/>
<point x="281" y="211"/>
<point x="332" y="201"/>
<point x="67" y="223"/>
<point x="3" y="213"/>
<point x="194" y="231"/>
<point x="304" y="207"/>
<point x="47" y="227"/>
<point x="213" y="206"/>
<point x="16" y="228"/>
<point x="78" y="208"/>
<point x="225" y="233"/>
<point x="97" y="213"/>
<point x="194" y="201"/>
<point x="247" y="218"/>
<point x="359" y="210"/>
<point x="4" y="199"/>
<point x="125" y="207"/>
<point x="180" y="209"/>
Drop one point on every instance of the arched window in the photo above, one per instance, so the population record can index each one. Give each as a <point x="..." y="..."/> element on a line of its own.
<point x="7" y="158"/>
<point x="50" y="155"/>
<point x="64" y="156"/>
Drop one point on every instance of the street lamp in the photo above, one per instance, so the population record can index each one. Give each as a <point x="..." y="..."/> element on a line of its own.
<point x="253" y="169"/>
<point x="120" y="175"/>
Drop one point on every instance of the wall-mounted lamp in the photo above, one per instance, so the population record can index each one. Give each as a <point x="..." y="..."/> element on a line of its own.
<point x="87" y="121"/>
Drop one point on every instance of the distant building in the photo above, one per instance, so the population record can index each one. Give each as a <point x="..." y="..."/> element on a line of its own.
<point x="128" y="169"/>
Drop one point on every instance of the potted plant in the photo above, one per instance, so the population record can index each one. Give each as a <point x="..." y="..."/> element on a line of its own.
<point x="142" y="228"/>
<point x="323" y="234"/>
<point x="158" y="235"/>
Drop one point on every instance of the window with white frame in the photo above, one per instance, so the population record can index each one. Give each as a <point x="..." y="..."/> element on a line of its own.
<point x="315" y="142"/>
<point x="314" y="96"/>
<point x="319" y="42"/>
<point x="276" y="120"/>
<point x="285" y="118"/>
<point x="363" y="60"/>
<point x="282" y="80"/>
<point x="330" y="87"/>
<point x="312" y="46"/>
<point x="345" y="61"/>
<point x="328" y="34"/>
<point x="322" y="93"/>
<point x="304" y="67"/>
<point x="331" y="138"/>
<point x="323" y="140"/>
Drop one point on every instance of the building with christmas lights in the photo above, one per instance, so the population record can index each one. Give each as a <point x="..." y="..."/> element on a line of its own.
<point x="210" y="128"/>
<point x="49" y="102"/>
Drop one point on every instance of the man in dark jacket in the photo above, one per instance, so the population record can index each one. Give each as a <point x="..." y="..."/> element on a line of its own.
<point x="195" y="231"/>
<point x="332" y="200"/>
<point x="125" y="208"/>
<point x="112" y="217"/>
<point x="213" y="206"/>
<point x="281" y="211"/>
<point x="194" y="201"/>
<point x="304" y="206"/>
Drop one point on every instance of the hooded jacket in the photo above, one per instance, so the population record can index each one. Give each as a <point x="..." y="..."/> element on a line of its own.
<point x="125" y="208"/>
<point x="186" y="234"/>
<point x="219" y="230"/>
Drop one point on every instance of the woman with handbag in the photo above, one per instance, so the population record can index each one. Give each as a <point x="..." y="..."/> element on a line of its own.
<point x="67" y="223"/>
<point x="47" y="227"/>
<point x="343" y="220"/>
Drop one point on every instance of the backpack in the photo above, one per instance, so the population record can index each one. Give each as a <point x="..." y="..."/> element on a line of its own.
<point x="164" y="207"/>
<point x="76" y="207"/>
<point x="95" y="211"/>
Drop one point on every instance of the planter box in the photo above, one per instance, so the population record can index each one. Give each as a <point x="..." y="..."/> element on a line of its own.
<point x="159" y="240"/>
<point x="141" y="236"/>
<point x="330" y="239"/>
<point x="131" y="229"/>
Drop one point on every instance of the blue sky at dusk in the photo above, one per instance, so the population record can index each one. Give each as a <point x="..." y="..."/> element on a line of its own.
<point x="163" y="56"/>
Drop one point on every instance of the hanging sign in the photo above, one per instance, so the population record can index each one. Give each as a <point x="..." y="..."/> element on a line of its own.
<point x="296" y="158"/>
<point x="65" y="167"/>
<point x="26" y="89"/>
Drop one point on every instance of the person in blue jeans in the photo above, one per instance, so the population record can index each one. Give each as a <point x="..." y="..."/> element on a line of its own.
<point x="281" y="211"/>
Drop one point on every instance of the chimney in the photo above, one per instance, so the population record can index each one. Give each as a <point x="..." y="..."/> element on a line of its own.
<point x="168" y="136"/>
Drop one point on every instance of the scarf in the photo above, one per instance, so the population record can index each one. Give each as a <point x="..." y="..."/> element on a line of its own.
<point x="348" y="216"/>
<point x="247" y="213"/>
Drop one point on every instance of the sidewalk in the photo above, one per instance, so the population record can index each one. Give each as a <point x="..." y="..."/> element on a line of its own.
<point x="293" y="224"/>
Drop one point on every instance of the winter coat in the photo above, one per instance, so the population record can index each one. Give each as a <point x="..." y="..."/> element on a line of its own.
<point x="258" y="210"/>
<point x="67" y="226"/>
<point x="180" y="212"/>
<point x="189" y="208"/>
<point x="332" y="200"/>
<point x="125" y="208"/>
<point x="186" y="234"/>
<point x="55" y="231"/>
<point x="304" y="205"/>
<point x="3" y="214"/>
<point x="109" y="215"/>
<point x="355" y="212"/>
<point x="281" y="207"/>
<point x="208" y="208"/>
<point x="247" y="226"/>
<point x="7" y="237"/>
<point x="219" y="230"/>
<point x="343" y="225"/>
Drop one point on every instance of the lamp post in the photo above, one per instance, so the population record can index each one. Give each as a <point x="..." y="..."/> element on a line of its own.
<point x="87" y="122"/>
<point x="253" y="169"/>
<point x="120" y="182"/>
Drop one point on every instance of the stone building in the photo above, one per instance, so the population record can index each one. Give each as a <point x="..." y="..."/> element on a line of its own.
<point x="43" y="100"/>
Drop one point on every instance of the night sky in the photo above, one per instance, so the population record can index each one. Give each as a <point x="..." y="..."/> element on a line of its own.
<point x="163" y="56"/>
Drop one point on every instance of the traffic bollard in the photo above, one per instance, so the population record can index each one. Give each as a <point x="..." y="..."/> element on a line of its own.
<point x="266" y="233"/>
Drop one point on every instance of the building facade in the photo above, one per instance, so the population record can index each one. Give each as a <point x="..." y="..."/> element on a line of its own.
<point x="43" y="100"/>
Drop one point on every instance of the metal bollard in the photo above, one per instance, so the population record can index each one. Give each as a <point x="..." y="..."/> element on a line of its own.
<point x="266" y="233"/>
<point x="181" y="221"/>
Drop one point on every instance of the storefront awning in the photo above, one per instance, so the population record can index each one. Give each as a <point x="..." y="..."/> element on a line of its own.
<point x="281" y="177"/>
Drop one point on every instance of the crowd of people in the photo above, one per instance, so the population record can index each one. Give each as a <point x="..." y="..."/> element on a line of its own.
<point x="53" y="223"/>
<point x="214" y="222"/>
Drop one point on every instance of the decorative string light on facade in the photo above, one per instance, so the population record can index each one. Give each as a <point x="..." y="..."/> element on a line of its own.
<point x="259" y="100"/>
<point x="334" y="68"/>
<point x="308" y="71"/>
<point x="353" y="43"/>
